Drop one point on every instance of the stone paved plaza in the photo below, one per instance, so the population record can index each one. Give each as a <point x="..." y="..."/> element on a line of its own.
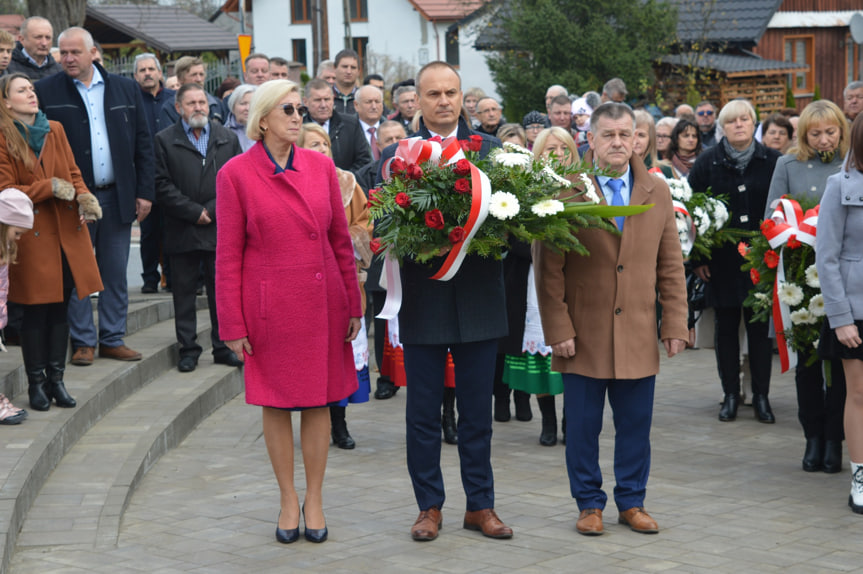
<point x="729" y="497"/>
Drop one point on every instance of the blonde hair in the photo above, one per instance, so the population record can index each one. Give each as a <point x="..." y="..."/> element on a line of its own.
<point x="817" y="112"/>
<point x="266" y="97"/>
<point x="734" y="109"/>
<point x="507" y="131"/>
<point x="562" y="135"/>
<point x="8" y="249"/>
<point x="315" y="128"/>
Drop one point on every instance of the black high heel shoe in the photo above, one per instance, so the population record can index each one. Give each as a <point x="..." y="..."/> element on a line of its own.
<point x="316" y="535"/>
<point x="286" y="536"/>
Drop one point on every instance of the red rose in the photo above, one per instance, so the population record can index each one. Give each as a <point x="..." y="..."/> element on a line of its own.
<point x="462" y="185"/>
<point x="461" y="167"/>
<point x="475" y="143"/>
<point x="434" y="219"/>
<point x="742" y="248"/>
<point x="465" y="145"/>
<point x="403" y="200"/>
<point x="456" y="235"/>
<point x="771" y="258"/>
<point x="373" y="196"/>
<point x="397" y="166"/>
<point x="793" y="242"/>
<point x="376" y="246"/>
<point x="755" y="276"/>
<point x="767" y="225"/>
<point x="414" y="171"/>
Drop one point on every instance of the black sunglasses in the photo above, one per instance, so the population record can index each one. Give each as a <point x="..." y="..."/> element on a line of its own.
<point x="290" y="109"/>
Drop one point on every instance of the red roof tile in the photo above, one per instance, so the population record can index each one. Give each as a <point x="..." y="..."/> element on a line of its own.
<point x="435" y="10"/>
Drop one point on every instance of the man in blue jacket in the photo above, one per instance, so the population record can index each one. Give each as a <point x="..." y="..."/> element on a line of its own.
<point x="104" y="118"/>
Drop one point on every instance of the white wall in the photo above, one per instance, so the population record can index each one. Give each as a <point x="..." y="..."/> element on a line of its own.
<point x="394" y="28"/>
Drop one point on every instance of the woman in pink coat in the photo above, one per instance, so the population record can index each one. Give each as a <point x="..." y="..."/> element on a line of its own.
<point x="287" y="293"/>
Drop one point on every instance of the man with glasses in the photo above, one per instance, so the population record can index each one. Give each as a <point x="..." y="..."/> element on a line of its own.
<point x="852" y="98"/>
<point x="148" y="74"/>
<point x="490" y="117"/>
<point x="705" y="115"/>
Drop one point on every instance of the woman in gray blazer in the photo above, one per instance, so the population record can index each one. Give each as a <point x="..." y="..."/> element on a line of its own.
<point x="839" y="259"/>
<point x="822" y="142"/>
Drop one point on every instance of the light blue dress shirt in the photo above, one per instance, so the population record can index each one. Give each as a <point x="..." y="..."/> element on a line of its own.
<point x="200" y="143"/>
<point x="100" y="146"/>
<point x="625" y="191"/>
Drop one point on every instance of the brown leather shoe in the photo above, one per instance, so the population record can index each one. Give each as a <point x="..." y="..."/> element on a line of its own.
<point x="121" y="353"/>
<point x="427" y="525"/>
<point x="83" y="356"/>
<point x="487" y="522"/>
<point x="638" y="520"/>
<point x="589" y="522"/>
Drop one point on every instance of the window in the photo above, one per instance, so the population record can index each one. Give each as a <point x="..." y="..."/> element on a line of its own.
<point x="800" y="50"/>
<point x="301" y="11"/>
<point x="852" y="61"/>
<point x="452" y="46"/>
<point x="299" y="47"/>
<point x="361" y="47"/>
<point x="359" y="10"/>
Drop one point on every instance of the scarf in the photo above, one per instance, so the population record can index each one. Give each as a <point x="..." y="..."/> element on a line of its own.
<point x="683" y="163"/>
<point x="35" y="134"/>
<point x="740" y="159"/>
<point x="827" y="156"/>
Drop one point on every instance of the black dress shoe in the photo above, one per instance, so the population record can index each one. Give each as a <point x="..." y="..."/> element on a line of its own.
<point x="522" y="406"/>
<point x="343" y="439"/>
<point x="813" y="456"/>
<point x="728" y="412"/>
<point x="762" y="409"/>
<point x="385" y="389"/>
<point x="230" y="358"/>
<point x="287" y="535"/>
<point x="316" y="535"/>
<point x="187" y="364"/>
<point x="149" y="289"/>
<point x="501" y="409"/>
<point x="832" y="456"/>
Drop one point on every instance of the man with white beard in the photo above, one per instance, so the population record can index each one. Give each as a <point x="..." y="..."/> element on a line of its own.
<point x="188" y="156"/>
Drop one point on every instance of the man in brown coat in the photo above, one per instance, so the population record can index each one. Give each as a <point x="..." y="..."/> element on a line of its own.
<point x="599" y="315"/>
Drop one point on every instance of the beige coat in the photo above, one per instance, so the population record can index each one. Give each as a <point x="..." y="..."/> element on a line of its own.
<point x="607" y="301"/>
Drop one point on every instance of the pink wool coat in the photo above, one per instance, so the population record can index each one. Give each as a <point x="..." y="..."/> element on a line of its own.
<point x="286" y="277"/>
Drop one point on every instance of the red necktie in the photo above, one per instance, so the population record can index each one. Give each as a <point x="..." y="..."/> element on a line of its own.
<point x="376" y="153"/>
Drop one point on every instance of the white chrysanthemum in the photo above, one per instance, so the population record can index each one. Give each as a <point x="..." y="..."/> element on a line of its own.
<point x="790" y="294"/>
<point x="702" y="220"/>
<point x="762" y="296"/>
<point x="680" y="189"/>
<point x="547" y="207"/>
<point x="552" y="177"/>
<point x="816" y="305"/>
<point x="812" y="277"/>
<point x="514" y="147"/>
<point x="503" y="205"/>
<point x="800" y="316"/>
<point x="719" y="212"/>
<point x="589" y="189"/>
<point x="512" y="159"/>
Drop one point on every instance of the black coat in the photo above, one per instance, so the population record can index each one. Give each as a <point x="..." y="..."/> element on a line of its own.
<point x="128" y="133"/>
<point x="153" y="108"/>
<point x="468" y="308"/>
<point x="747" y="199"/>
<point x="350" y="148"/>
<point x="516" y="266"/>
<point x="186" y="185"/>
<point x="19" y="64"/>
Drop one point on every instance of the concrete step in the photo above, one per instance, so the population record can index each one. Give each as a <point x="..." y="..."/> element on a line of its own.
<point x="83" y="501"/>
<point x="30" y="451"/>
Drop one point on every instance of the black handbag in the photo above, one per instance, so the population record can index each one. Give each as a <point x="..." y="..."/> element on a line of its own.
<point x="696" y="292"/>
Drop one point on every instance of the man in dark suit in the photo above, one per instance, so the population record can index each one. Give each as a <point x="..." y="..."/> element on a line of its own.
<point x="187" y="195"/>
<point x="104" y="118"/>
<point x="349" y="145"/>
<point x="466" y="316"/>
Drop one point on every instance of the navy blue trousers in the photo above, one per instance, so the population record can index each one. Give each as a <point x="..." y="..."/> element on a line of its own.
<point x="474" y="375"/>
<point x="631" y="403"/>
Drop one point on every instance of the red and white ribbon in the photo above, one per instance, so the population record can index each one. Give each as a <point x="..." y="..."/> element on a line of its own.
<point x="790" y="223"/>
<point x="417" y="150"/>
<point x="680" y="212"/>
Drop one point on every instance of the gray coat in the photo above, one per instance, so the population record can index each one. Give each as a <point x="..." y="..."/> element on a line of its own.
<point x="839" y="248"/>
<point x="800" y="179"/>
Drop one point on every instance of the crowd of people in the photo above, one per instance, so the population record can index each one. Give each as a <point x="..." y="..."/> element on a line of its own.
<point x="287" y="170"/>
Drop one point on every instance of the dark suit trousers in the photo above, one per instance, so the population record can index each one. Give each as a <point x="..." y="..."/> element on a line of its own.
<point x="185" y="271"/>
<point x="728" y="350"/>
<point x="474" y="375"/>
<point x="631" y="403"/>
